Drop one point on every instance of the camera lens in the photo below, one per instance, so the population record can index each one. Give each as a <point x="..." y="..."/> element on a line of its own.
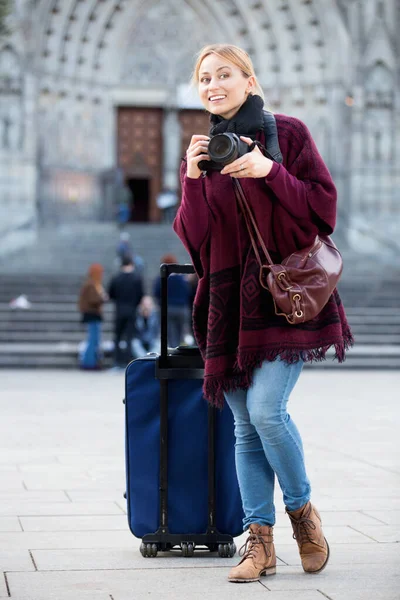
<point x="222" y="148"/>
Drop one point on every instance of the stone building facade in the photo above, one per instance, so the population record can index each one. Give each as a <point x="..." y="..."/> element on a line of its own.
<point x="94" y="92"/>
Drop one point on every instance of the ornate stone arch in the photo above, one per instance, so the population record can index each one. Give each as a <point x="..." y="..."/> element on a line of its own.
<point x="158" y="51"/>
<point x="379" y="107"/>
<point x="86" y="40"/>
<point x="10" y="71"/>
<point x="11" y="90"/>
<point x="137" y="51"/>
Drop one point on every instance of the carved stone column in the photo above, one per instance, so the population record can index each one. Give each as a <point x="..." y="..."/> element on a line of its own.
<point x="171" y="149"/>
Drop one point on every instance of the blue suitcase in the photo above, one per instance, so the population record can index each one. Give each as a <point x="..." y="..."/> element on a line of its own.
<point x="182" y="489"/>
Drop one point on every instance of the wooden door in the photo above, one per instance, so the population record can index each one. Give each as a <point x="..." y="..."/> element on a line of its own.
<point x="192" y="122"/>
<point x="140" y="152"/>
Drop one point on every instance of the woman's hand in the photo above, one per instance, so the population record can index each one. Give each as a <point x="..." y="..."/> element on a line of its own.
<point x="253" y="164"/>
<point x="196" y="152"/>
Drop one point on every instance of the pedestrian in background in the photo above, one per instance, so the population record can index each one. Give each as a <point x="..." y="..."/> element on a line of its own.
<point x="91" y="299"/>
<point x="147" y="335"/>
<point x="166" y="201"/>
<point x="178" y="303"/>
<point x="124" y="203"/>
<point x="126" y="291"/>
<point x="124" y="250"/>
<point x="253" y="356"/>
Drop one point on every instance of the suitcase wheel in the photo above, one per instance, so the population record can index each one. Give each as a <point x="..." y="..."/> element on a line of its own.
<point x="148" y="550"/>
<point x="187" y="549"/>
<point x="226" y="550"/>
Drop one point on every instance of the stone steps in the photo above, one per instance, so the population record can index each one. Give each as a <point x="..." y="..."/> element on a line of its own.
<point x="69" y="294"/>
<point x="383" y="315"/>
<point x="365" y="358"/>
<point x="50" y="275"/>
<point x="17" y="338"/>
<point x="72" y="249"/>
<point x="73" y="299"/>
<point x="54" y="343"/>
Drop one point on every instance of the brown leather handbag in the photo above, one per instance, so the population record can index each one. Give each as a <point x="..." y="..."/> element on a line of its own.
<point x="303" y="283"/>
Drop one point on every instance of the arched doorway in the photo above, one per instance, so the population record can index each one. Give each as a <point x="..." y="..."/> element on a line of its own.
<point x="137" y="178"/>
<point x="140" y="157"/>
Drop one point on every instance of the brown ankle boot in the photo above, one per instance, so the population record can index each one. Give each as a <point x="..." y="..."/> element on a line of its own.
<point x="307" y="531"/>
<point x="258" y="556"/>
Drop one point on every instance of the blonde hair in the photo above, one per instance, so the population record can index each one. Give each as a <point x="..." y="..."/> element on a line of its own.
<point x="234" y="55"/>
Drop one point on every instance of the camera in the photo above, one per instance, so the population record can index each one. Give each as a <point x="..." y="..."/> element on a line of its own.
<point x="223" y="149"/>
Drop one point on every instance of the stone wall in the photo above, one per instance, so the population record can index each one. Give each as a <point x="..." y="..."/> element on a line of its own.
<point x="18" y="170"/>
<point x="68" y="66"/>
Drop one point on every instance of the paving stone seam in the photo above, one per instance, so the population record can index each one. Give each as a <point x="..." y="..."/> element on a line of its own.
<point x="264" y="586"/>
<point x="293" y="566"/>
<point x="356" y="459"/>
<point x="7" y="584"/>
<point x="325" y="595"/>
<point x="33" y="560"/>
<point x="120" y="507"/>
<point x="343" y="511"/>
<point x="363" y="512"/>
<point x="70" y="530"/>
<point x="23" y="515"/>
<point x="93" y="570"/>
<point x="364" y="534"/>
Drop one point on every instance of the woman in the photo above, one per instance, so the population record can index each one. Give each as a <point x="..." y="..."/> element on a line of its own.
<point x="254" y="358"/>
<point x="91" y="299"/>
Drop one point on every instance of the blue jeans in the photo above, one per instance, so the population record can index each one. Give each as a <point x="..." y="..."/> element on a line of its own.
<point x="268" y="443"/>
<point x="91" y="355"/>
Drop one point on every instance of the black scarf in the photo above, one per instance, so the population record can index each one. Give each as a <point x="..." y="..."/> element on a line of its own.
<point x="247" y="121"/>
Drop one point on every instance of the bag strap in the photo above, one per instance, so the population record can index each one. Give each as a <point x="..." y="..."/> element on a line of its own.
<point x="271" y="137"/>
<point x="274" y="153"/>
<point x="250" y="222"/>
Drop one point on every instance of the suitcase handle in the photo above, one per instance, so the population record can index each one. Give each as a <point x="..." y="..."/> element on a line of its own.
<point x="184" y="351"/>
<point x="165" y="271"/>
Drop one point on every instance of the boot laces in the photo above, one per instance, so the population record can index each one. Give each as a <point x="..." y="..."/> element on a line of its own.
<point x="249" y="548"/>
<point x="302" y="529"/>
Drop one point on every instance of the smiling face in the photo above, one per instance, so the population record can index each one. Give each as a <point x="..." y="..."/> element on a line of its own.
<point x="223" y="87"/>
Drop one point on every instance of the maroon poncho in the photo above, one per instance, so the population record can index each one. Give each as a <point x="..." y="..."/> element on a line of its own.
<point x="233" y="316"/>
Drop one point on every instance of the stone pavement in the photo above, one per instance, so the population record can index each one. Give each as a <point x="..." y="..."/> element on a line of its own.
<point x="63" y="527"/>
